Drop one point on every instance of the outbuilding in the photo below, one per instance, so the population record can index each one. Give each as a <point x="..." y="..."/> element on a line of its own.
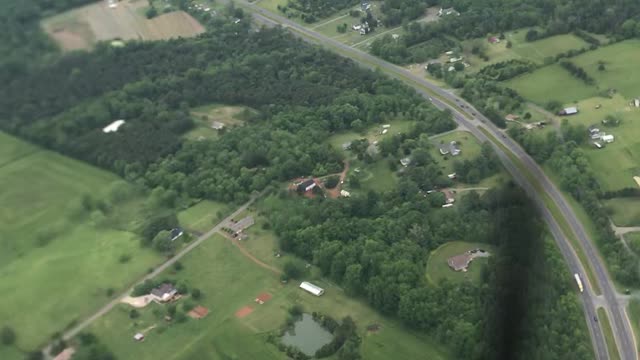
<point x="310" y="288"/>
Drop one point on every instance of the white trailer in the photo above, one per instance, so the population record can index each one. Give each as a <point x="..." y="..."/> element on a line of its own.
<point x="579" y="282"/>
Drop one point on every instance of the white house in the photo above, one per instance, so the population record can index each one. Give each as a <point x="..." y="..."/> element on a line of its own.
<point x="113" y="127"/>
<point x="310" y="288"/>
<point x="607" y="138"/>
<point x="163" y="293"/>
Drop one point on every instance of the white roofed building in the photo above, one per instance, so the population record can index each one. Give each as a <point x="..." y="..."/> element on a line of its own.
<point x="310" y="288"/>
<point x="113" y="127"/>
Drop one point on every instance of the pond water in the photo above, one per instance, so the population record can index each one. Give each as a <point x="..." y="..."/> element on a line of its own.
<point x="307" y="335"/>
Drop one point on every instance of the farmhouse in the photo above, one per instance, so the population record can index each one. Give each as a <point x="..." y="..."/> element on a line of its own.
<point x="310" y="288"/>
<point x="568" y="111"/>
<point x="113" y="127"/>
<point x="163" y="293"/>
<point x="450" y="148"/>
<point x="306" y="185"/>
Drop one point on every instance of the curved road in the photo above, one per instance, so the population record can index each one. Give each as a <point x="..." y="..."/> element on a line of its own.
<point x="469" y="119"/>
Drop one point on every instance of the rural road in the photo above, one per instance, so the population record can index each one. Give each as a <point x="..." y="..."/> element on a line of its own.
<point x="106" y="308"/>
<point x="464" y="114"/>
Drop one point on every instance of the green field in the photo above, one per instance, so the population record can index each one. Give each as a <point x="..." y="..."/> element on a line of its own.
<point x="621" y="63"/>
<point x="230" y="281"/>
<point x="202" y="216"/>
<point x="373" y="133"/>
<point x="551" y="83"/>
<point x="633" y="241"/>
<point x="624" y="211"/>
<point x="438" y="269"/>
<point x="57" y="264"/>
<point x="634" y="317"/>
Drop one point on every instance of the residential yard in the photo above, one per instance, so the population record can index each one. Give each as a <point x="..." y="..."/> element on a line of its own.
<point x="202" y="216"/>
<point x="551" y="83"/>
<point x="373" y="133"/>
<point x="230" y="281"/>
<point x="378" y="177"/>
<point x="82" y="27"/>
<point x="468" y="144"/>
<point x="438" y="269"/>
<point x="46" y="243"/>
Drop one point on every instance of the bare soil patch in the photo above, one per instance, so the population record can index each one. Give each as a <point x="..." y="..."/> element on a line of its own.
<point x="82" y="27"/>
<point x="244" y="312"/>
<point x="198" y="312"/>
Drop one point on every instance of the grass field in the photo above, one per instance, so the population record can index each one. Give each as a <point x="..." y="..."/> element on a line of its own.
<point x="624" y="211"/>
<point x="634" y="316"/>
<point x="620" y="62"/>
<point x="230" y="281"/>
<point x="438" y="269"/>
<point x="608" y="335"/>
<point x="43" y="247"/>
<point x="633" y="241"/>
<point x="551" y="83"/>
<point x="202" y="216"/>
<point x="373" y="133"/>
<point x="82" y="27"/>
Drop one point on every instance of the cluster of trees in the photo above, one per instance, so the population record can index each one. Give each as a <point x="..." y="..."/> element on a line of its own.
<point x="577" y="72"/>
<point x="506" y="70"/>
<point x="564" y="156"/>
<point x="345" y="342"/>
<point x="376" y="245"/>
<point x="401" y="51"/>
<point x="483" y="166"/>
<point x="311" y="11"/>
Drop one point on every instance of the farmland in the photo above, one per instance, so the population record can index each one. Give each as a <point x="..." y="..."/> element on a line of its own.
<point x="230" y="281"/>
<point x="202" y="216"/>
<point x="438" y="269"/>
<point x="46" y="242"/>
<point x="82" y="27"/>
<point x="551" y="83"/>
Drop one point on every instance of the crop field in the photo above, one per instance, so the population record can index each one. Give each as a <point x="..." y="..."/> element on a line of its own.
<point x="551" y="83"/>
<point x="202" y="216"/>
<point x="621" y="63"/>
<point x="438" y="269"/>
<point x="67" y="262"/>
<point x="230" y="281"/>
<point x="82" y="27"/>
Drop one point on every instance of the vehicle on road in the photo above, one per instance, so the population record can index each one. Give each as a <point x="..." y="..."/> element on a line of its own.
<point x="579" y="282"/>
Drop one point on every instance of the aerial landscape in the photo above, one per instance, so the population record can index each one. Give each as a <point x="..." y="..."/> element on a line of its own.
<point x="339" y="179"/>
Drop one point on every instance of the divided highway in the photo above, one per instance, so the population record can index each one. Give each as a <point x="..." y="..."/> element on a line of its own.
<point x="465" y="115"/>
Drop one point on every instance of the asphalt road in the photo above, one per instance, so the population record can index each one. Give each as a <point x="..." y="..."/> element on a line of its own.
<point x="617" y="315"/>
<point x="106" y="308"/>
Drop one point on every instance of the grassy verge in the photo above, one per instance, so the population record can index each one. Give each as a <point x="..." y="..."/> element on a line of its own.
<point x="608" y="335"/>
<point x="555" y="212"/>
<point x="634" y="317"/>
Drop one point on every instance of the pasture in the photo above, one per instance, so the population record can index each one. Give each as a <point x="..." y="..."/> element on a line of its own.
<point x="230" y="281"/>
<point x="82" y="27"/>
<point x="621" y="63"/>
<point x="57" y="260"/>
<point x="551" y="83"/>
<point x="438" y="269"/>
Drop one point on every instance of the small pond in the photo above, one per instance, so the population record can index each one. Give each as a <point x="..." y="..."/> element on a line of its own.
<point x="307" y="335"/>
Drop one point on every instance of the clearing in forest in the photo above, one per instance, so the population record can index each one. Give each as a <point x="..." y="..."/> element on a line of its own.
<point x="82" y="27"/>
